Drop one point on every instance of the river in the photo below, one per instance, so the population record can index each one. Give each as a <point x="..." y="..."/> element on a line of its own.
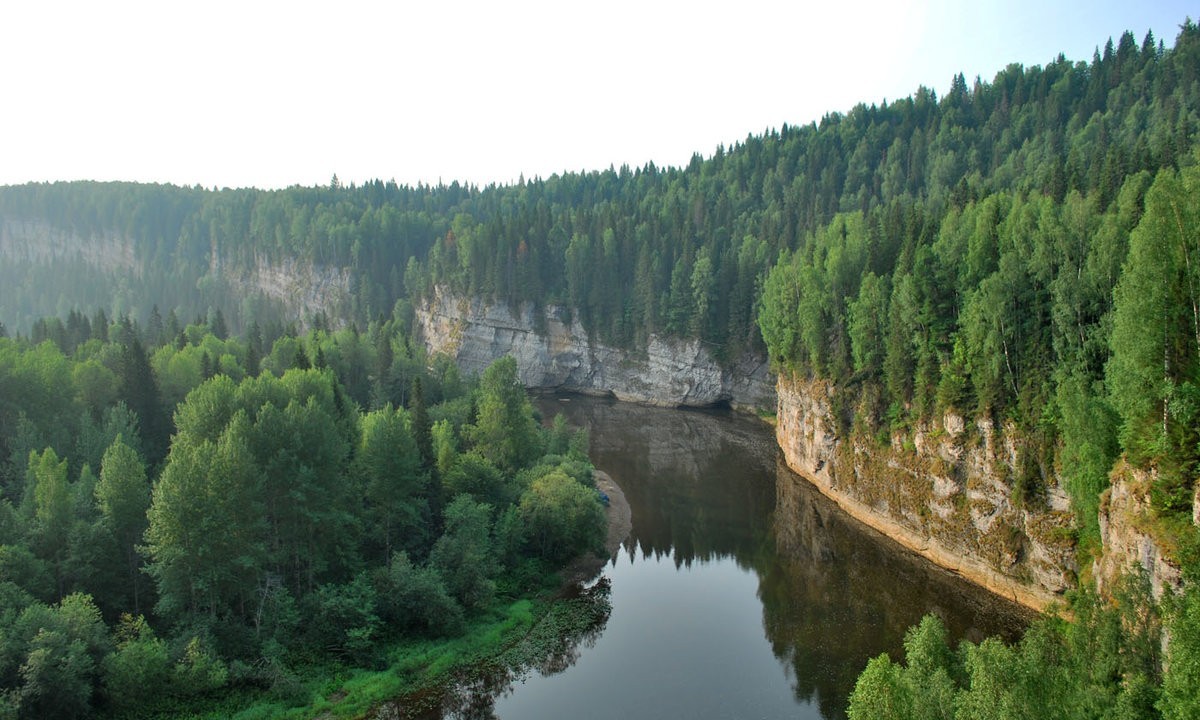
<point x="742" y="592"/>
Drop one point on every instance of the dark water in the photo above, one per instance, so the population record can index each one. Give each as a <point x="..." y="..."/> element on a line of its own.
<point x="741" y="593"/>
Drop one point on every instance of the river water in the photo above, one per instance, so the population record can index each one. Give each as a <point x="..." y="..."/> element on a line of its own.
<point x="742" y="592"/>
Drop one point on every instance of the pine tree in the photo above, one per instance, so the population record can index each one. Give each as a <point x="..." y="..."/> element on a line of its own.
<point x="253" y="351"/>
<point x="422" y="427"/>
<point x="138" y="388"/>
<point x="300" y="360"/>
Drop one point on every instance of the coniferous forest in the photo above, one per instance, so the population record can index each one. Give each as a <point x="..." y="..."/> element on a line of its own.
<point x="205" y="488"/>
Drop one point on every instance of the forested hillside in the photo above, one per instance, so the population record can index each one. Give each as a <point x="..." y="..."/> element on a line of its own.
<point x="635" y="251"/>
<point x="1065" y="307"/>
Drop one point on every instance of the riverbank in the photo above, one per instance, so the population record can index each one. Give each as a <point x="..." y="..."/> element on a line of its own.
<point x="548" y="629"/>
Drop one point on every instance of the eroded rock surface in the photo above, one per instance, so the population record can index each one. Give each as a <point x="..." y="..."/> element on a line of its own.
<point x="943" y="490"/>
<point x="553" y="351"/>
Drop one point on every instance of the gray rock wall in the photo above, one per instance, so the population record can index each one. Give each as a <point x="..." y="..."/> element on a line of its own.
<point x="553" y="351"/>
<point x="943" y="491"/>
<point x="1125" y="515"/>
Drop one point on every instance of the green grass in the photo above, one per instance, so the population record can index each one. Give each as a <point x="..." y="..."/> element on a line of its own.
<point x="334" y="690"/>
<point x="504" y="641"/>
<point x="414" y="665"/>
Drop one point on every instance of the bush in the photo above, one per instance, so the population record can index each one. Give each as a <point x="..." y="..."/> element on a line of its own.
<point x="343" y="619"/>
<point x="136" y="674"/>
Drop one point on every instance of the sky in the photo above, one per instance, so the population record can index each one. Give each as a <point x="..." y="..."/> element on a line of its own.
<point x="271" y="94"/>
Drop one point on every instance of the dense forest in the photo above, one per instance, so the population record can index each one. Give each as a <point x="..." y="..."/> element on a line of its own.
<point x="1023" y="249"/>
<point x="195" y="543"/>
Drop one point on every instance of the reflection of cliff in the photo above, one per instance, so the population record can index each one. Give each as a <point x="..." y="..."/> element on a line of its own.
<point x="840" y="593"/>
<point x="698" y="482"/>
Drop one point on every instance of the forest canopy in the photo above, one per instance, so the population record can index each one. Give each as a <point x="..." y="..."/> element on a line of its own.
<point x="284" y="517"/>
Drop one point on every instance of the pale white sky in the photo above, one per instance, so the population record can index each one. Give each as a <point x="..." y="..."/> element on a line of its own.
<point x="272" y="94"/>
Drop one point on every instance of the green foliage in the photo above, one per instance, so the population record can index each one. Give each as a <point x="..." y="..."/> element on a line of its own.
<point x="1182" y="676"/>
<point x="1104" y="664"/>
<point x="389" y="465"/>
<point x="270" y="524"/>
<point x="197" y="671"/>
<point x="879" y="693"/>
<point x="1154" y="370"/>
<point x="138" y="673"/>
<point x="414" y="599"/>
<point x="50" y="658"/>
<point x="474" y="475"/>
<point x="123" y="496"/>
<point x="923" y="689"/>
<point x="867" y="325"/>
<point x="504" y="431"/>
<point x="463" y="555"/>
<point x="562" y="518"/>
<point x="342" y="619"/>
<point x="562" y="439"/>
<point x="445" y="446"/>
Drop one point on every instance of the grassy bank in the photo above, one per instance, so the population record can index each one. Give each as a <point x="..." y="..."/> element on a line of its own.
<point x="496" y="648"/>
<point x="335" y="690"/>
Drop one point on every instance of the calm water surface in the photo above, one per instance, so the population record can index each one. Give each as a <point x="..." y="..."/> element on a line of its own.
<point x="741" y="593"/>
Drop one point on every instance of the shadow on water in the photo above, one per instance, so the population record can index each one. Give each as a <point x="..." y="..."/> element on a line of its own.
<point x="789" y="596"/>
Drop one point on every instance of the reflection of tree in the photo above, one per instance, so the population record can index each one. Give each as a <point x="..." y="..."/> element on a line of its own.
<point x="571" y="624"/>
<point x="839" y="594"/>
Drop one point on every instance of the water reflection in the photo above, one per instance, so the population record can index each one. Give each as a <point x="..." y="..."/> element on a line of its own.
<point x="554" y="644"/>
<point x="742" y="591"/>
<point x="838" y="593"/>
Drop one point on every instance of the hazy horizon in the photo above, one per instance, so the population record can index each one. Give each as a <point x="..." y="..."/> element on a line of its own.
<point x="280" y="94"/>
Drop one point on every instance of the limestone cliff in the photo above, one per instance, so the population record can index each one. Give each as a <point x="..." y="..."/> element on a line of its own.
<point x="1125" y="534"/>
<point x="42" y="243"/>
<point x="554" y="351"/>
<point x="942" y="490"/>
<point x="300" y="288"/>
<point x="303" y="288"/>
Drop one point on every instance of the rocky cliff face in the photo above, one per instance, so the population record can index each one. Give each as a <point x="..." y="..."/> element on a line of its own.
<point x="554" y="351"/>
<point x="42" y="243"/>
<point x="943" y="491"/>
<point x="302" y="289"/>
<point x="1125" y="535"/>
<point x="305" y="289"/>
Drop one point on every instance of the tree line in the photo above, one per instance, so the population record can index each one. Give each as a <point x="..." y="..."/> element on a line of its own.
<point x="635" y="251"/>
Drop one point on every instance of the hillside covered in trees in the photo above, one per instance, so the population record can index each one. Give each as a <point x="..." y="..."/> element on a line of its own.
<point x="634" y="251"/>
